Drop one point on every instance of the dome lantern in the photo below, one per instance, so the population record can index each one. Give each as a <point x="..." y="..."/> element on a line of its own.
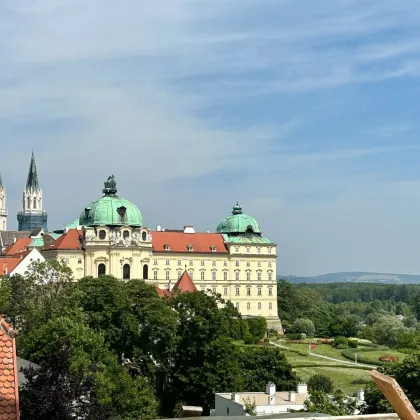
<point x="239" y="223"/>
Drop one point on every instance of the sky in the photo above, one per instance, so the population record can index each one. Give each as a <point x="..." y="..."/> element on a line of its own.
<point x="305" y="112"/>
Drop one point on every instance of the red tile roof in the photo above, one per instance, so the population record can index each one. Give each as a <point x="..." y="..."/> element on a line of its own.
<point x="184" y="284"/>
<point x="179" y="242"/>
<point x="17" y="247"/>
<point x="7" y="265"/>
<point x="162" y="292"/>
<point x="9" y="396"/>
<point x="70" y="240"/>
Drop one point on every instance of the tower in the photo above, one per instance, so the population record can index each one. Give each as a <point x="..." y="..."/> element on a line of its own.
<point x="32" y="215"/>
<point x="3" y="209"/>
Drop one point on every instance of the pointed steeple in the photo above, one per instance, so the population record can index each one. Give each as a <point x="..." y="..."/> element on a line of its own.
<point x="1" y="182"/>
<point x="32" y="182"/>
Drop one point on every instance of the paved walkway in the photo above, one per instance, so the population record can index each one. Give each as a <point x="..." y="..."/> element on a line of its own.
<point x="329" y="358"/>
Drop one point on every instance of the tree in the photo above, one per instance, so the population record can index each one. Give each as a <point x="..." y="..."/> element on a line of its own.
<point x="338" y="405"/>
<point x="257" y="327"/>
<point x="250" y="407"/>
<point x="387" y="329"/>
<point x="266" y="364"/>
<point x="319" y="382"/>
<point x="303" y="325"/>
<point x="78" y="377"/>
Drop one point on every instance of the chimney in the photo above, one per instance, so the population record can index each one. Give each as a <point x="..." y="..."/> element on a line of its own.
<point x="189" y="229"/>
<point x="66" y="230"/>
<point x="302" y="389"/>
<point x="14" y="240"/>
<point x="292" y="396"/>
<point x="360" y="395"/>
<point x="235" y="397"/>
<point x="158" y="228"/>
<point x="270" y="389"/>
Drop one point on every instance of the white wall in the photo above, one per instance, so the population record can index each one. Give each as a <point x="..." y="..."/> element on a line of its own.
<point x="275" y="409"/>
<point x="221" y="406"/>
<point x="23" y="266"/>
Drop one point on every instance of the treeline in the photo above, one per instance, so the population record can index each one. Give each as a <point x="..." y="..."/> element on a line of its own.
<point x="108" y="349"/>
<point x="363" y="292"/>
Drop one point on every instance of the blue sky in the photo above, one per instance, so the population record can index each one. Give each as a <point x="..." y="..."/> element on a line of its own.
<point x="306" y="112"/>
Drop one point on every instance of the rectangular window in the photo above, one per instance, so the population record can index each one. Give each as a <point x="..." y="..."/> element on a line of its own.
<point x="259" y="250"/>
<point x="248" y="291"/>
<point x="179" y="262"/>
<point x="270" y="263"/>
<point x="225" y="291"/>
<point x="237" y="263"/>
<point x="236" y="248"/>
<point x="167" y="275"/>
<point x="259" y="291"/>
<point x="238" y="291"/>
<point x="155" y="274"/>
<point x="167" y="262"/>
<point x="248" y="275"/>
<point x="191" y="262"/>
<point x="191" y="275"/>
<point x="270" y="275"/>
<point x="259" y="263"/>
<point x="224" y="263"/>
<point x="225" y="275"/>
<point x="202" y="262"/>
<point x="67" y="260"/>
<point x="269" y="250"/>
<point x="155" y="261"/>
<point x="270" y="306"/>
<point x="213" y="263"/>
<point x="79" y="261"/>
<point x="213" y="275"/>
<point x="248" y="263"/>
<point x="214" y="290"/>
<point x="248" y="249"/>
<point x="237" y="306"/>
<point x="203" y="288"/>
<point x="259" y="276"/>
<point x="259" y="305"/>
<point x="248" y="306"/>
<point x="202" y="275"/>
<point x="179" y="274"/>
<point x="270" y="291"/>
<point x="237" y="275"/>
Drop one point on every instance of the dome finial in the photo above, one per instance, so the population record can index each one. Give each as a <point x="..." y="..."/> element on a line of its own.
<point x="110" y="186"/>
<point x="237" y="209"/>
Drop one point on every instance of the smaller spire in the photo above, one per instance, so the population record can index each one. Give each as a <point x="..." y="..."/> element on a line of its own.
<point x="237" y="209"/>
<point x="32" y="182"/>
<point x="1" y="182"/>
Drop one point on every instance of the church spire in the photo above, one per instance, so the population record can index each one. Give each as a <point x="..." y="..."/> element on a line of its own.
<point x="32" y="182"/>
<point x="1" y="182"/>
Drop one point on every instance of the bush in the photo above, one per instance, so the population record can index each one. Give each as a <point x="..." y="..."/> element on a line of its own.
<point x="304" y="326"/>
<point x="353" y="344"/>
<point x="360" y="381"/>
<point x="257" y="327"/>
<point x="341" y="347"/>
<point x="266" y="340"/>
<point x="273" y="333"/>
<point x="248" y="338"/>
<point x="319" y="382"/>
<point x="341" y="341"/>
<point x="293" y="336"/>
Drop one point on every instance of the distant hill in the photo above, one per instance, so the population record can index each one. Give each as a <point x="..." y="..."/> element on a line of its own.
<point x="357" y="277"/>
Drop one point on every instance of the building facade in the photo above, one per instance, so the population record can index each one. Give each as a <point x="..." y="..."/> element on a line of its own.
<point x="3" y="207"/>
<point x="32" y="216"/>
<point x="236" y="261"/>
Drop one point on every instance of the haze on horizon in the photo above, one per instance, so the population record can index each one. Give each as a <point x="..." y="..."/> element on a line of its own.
<point x="305" y="112"/>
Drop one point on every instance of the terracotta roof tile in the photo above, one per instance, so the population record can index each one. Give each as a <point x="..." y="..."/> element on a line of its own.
<point x="8" y="264"/>
<point x="9" y="397"/>
<point x="180" y="241"/>
<point x="70" y="240"/>
<point x="17" y="247"/>
<point x="184" y="284"/>
<point x="162" y="292"/>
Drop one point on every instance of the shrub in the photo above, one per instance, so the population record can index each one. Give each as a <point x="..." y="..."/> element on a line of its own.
<point x="360" y="381"/>
<point x="388" y="358"/>
<point x="319" y="382"/>
<point x="266" y="340"/>
<point x="353" y="344"/>
<point x="273" y="333"/>
<point x="341" y="347"/>
<point x="248" y="338"/>
<point x="293" y="336"/>
<point x="341" y="341"/>
<point x="257" y="326"/>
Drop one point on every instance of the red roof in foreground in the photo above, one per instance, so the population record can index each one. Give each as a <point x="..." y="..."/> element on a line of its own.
<point x="162" y="292"/>
<point x="7" y="265"/>
<point x="18" y="246"/>
<point x="9" y="396"/>
<point x="179" y="242"/>
<point x="70" y="240"/>
<point x="184" y="284"/>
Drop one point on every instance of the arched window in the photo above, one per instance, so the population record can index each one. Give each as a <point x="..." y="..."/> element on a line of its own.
<point x="101" y="269"/>
<point x="144" y="235"/>
<point x="34" y="203"/>
<point x="29" y="203"/>
<point x="145" y="272"/>
<point x="102" y="234"/>
<point x="126" y="234"/>
<point x="126" y="271"/>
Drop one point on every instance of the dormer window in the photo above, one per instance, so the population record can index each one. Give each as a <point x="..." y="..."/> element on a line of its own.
<point x="212" y="248"/>
<point x="102" y="234"/>
<point x="190" y="248"/>
<point x="166" y="247"/>
<point x="126" y="234"/>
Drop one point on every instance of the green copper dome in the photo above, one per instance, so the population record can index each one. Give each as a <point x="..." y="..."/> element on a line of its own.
<point x="238" y="223"/>
<point x="111" y="210"/>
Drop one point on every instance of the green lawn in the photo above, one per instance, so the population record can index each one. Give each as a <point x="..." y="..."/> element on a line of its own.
<point x="342" y="377"/>
<point x="375" y="354"/>
<point x="330" y="351"/>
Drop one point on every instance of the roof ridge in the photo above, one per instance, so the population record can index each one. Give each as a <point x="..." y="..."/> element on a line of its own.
<point x="7" y="328"/>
